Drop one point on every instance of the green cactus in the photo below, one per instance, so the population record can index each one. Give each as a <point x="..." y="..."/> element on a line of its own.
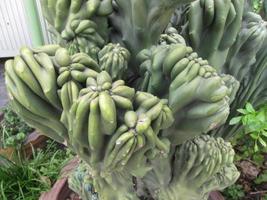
<point x="114" y="60"/>
<point x="75" y="23"/>
<point x="213" y="27"/>
<point x="199" y="166"/>
<point x="142" y="91"/>
<point x="246" y="62"/>
<point x="194" y="89"/>
<point x="81" y="183"/>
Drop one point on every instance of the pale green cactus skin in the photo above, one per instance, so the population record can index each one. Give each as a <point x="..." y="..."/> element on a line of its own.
<point x="143" y="91"/>
<point x="196" y="92"/>
<point x="199" y="166"/>
<point x="247" y="62"/>
<point x="216" y="23"/>
<point x="76" y="23"/>
<point x="80" y="182"/>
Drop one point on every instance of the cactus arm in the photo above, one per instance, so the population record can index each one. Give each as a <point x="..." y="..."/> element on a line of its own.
<point x="216" y="26"/>
<point x="246" y="61"/>
<point x="196" y="91"/>
<point x="200" y="164"/>
<point x="79" y="25"/>
<point x="140" y="23"/>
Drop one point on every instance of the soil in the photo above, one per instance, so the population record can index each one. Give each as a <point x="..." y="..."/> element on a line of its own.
<point x="249" y="172"/>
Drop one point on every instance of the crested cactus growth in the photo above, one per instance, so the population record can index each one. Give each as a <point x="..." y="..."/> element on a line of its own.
<point x="194" y="89"/>
<point x="216" y="23"/>
<point x="220" y="157"/>
<point x="247" y="44"/>
<point x="114" y="60"/>
<point x="199" y="164"/>
<point x="76" y="24"/>
<point x="142" y="92"/>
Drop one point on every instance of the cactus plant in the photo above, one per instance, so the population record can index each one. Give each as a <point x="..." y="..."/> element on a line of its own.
<point x="143" y="92"/>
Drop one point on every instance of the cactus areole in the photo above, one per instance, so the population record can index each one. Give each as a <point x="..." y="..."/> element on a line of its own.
<point x="142" y="91"/>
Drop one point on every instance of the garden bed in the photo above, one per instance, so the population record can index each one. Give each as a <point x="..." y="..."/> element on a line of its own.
<point x="33" y="140"/>
<point x="30" y="166"/>
<point x="61" y="190"/>
<point x="31" y="177"/>
<point x="252" y="183"/>
<point x="36" y="141"/>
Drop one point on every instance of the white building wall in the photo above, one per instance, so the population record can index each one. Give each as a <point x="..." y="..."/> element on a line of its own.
<point x="14" y="32"/>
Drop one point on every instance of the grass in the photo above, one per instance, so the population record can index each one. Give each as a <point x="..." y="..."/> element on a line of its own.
<point x="28" y="180"/>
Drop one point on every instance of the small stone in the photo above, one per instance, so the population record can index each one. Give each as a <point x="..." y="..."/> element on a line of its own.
<point x="249" y="170"/>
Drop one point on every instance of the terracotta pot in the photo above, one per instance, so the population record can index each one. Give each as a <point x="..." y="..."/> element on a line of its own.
<point x="33" y="141"/>
<point x="61" y="190"/>
<point x="7" y="153"/>
<point x="1" y="116"/>
<point x="216" y="196"/>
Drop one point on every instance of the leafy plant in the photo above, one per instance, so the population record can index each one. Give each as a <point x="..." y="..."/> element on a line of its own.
<point x="4" y="162"/>
<point x="13" y="129"/>
<point x="262" y="178"/>
<point x="28" y="179"/>
<point x="257" y="5"/>
<point x="249" y="148"/>
<point x="234" y="192"/>
<point x="255" y="124"/>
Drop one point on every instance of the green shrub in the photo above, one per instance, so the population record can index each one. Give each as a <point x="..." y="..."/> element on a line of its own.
<point x="13" y="129"/>
<point x="234" y="192"/>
